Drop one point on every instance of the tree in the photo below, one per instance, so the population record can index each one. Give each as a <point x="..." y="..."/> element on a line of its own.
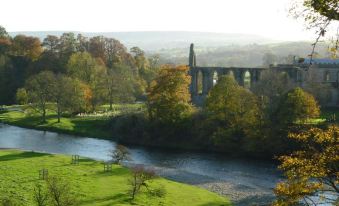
<point x="319" y="15"/>
<point x="21" y="96"/>
<point x="39" y="90"/>
<point x="3" y="32"/>
<point x="297" y="106"/>
<point x="169" y="99"/>
<point x="40" y="196"/>
<point x="83" y="66"/>
<point x="51" y="43"/>
<point x="110" y="50"/>
<point x="26" y="46"/>
<point x="120" y="154"/>
<point x="233" y="109"/>
<point x="119" y="85"/>
<point x="5" y="40"/>
<point x="63" y="93"/>
<point x="312" y="172"/>
<point x="140" y="178"/>
<point x="60" y="191"/>
<point x="271" y="87"/>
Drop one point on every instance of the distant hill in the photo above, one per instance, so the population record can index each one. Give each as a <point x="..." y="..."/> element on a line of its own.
<point x="212" y="49"/>
<point x="157" y="40"/>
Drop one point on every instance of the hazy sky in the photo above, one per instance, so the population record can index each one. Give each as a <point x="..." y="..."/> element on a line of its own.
<point x="263" y="17"/>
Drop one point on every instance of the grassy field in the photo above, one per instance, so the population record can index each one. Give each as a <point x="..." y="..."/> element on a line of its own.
<point x="84" y="126"/>
<point x="93" y="125"/>
<point x="90" y="184"/>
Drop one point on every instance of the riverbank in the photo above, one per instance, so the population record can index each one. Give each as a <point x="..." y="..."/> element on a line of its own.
<point x="92" y="186"/>
<point x="244" y="181"/>
<point x="81" y="126"/>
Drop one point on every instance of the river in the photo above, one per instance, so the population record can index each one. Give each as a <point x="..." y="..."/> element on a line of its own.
<point x="244" y="181"/>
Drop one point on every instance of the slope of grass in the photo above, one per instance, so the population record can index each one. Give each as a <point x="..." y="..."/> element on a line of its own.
<point x="92" y="186"/>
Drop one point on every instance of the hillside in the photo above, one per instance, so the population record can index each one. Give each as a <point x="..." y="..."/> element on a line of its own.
<point x="156" y="40"/>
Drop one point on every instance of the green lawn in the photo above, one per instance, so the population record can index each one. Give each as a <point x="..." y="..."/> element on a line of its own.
<point x="85" y="126"/>
<point x="92" y="186"/>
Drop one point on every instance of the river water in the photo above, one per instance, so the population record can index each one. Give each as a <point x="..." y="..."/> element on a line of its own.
<point x="245" y="182"/>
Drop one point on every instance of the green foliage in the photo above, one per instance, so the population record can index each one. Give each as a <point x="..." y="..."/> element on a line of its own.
<point x="21" y="96"/>
<point x="234" y="111"/>
<point x="297" y="106"/>
<point x="39" y="90"/>
<point x="169" y="99"/>
<point x="89" y="60"/>
<point x="83" y="66"/>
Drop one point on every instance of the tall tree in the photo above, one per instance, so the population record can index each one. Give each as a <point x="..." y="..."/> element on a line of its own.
<point x="39" y="90"/>
<point x="62" y="93"/>
<point x="234" y="111"/>
<point x="26" y="46"/>
<point x="83" y="66"/>
<point x="169" y="99"/>
<point x="119" y="85"/>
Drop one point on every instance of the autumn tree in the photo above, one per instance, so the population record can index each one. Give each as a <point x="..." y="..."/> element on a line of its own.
<point x="313" y="172"/>
<point x="233" y="109"/>
<point x="169" y="99"/>
<point x="110" y="50"/>
<point x="39" y="90"/>
<point x="319" y="15"/>
<point x="26" y="46"/>
<point x="297" y="106"/>
<point x="119" y="154"/>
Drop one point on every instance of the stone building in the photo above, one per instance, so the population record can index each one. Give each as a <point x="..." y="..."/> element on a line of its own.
<point x="321" y="71"/>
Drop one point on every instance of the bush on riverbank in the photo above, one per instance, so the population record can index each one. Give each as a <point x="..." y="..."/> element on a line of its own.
<point x="91" y="185"/>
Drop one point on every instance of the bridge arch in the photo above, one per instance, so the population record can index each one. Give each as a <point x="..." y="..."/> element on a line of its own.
<point x="247" y="79"/>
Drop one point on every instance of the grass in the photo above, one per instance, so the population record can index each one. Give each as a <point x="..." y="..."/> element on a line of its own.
<point x="92" y="186"/>
<point x="84" y="126"/>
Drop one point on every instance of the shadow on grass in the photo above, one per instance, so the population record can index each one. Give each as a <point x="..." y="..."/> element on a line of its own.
<point x="21" y="155"/>
<point x="93" y="127"/>
<point x="111" y="199"/>
<point x="115" y="171"/>
<point x="215" y="204"/>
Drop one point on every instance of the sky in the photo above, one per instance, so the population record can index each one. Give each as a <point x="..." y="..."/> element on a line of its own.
<point x="268" y="18"/>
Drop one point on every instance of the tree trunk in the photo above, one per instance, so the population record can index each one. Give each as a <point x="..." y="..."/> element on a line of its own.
<point x="59" y="114"/>
<point x="43" y="115"/>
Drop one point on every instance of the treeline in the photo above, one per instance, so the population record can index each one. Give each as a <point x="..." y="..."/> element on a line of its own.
<point x="251" y="55"/>
<point x="102" y="67"/>
<point x="233" y="119"/>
